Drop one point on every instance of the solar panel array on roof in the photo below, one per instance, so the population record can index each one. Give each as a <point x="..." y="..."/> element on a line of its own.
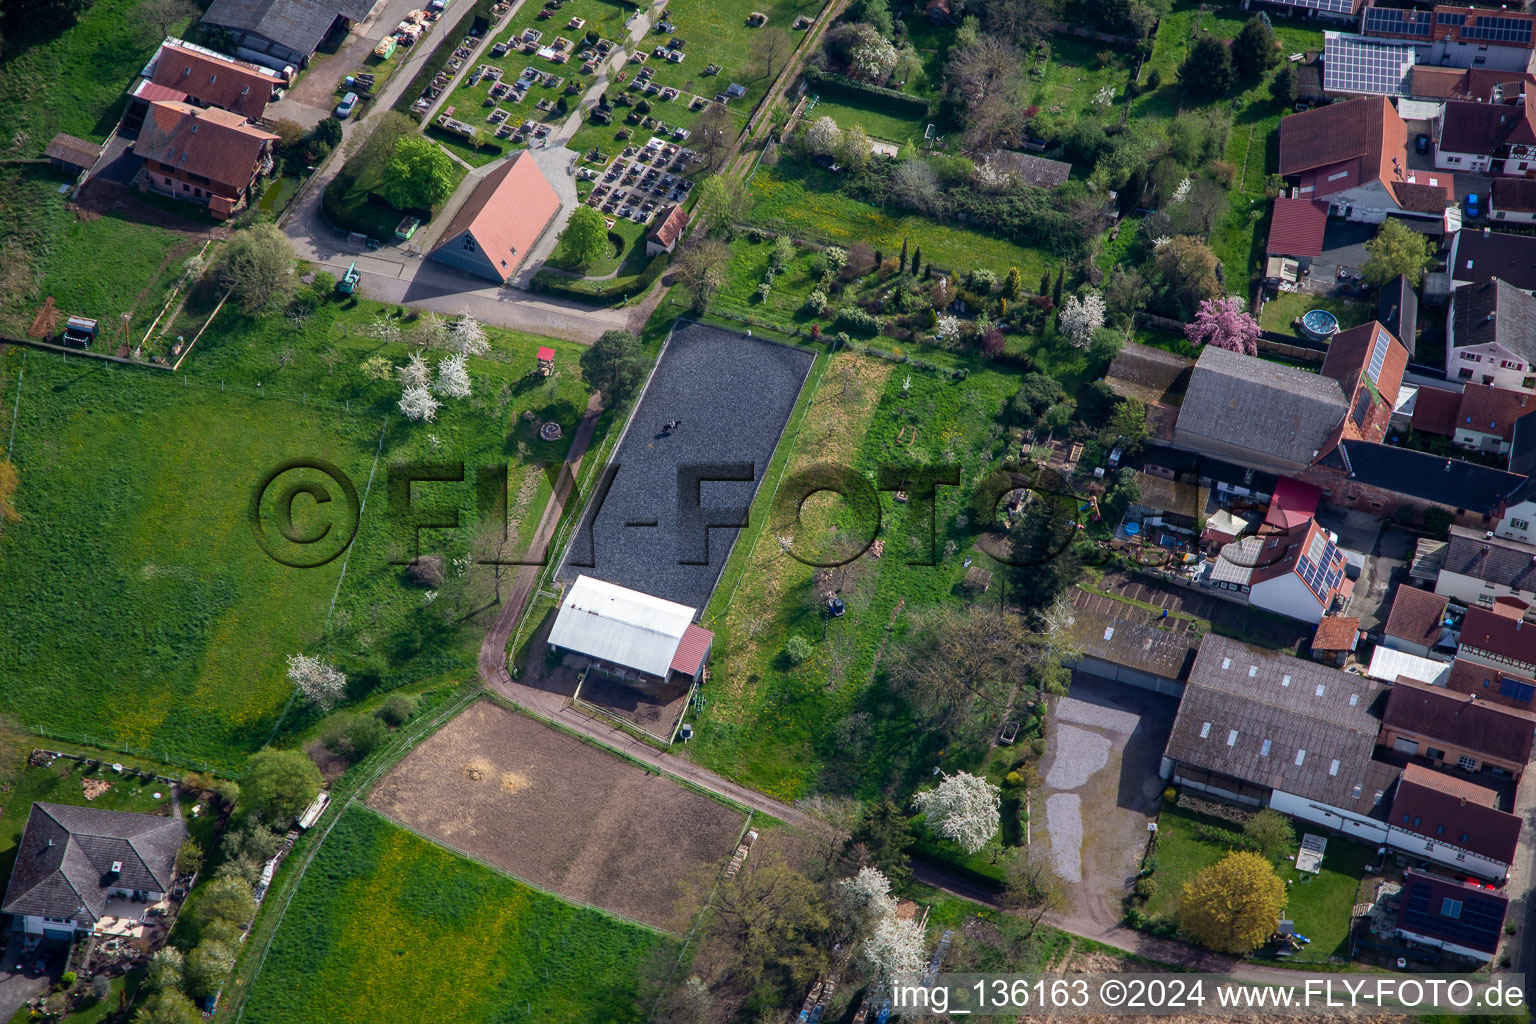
<point x="1378" y="356"/>
<point x="1473" y="919"/>
<point x="1317" y="568"/>
<point x="1393" y="21"/>
<point x="1371" y="67"/>
<point x="1450" y="18"/>
<point x="1329" y="6"/>
<point x="1497" y="29"/>
<point x="1362" y="410"/>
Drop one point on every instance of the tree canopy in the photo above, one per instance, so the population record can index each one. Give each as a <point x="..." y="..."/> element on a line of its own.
<point x="1207" y="70"/>
<point x="1253" y="51"/>
<point x="1395" y="250"/>
<point x="257" y="266"/>
<point x="585" y="236"/>
<point x="418" y="175"/>
<point x="280" y="784"/>
<point x="1233" y="905"/>
<point x="615" y="365"/>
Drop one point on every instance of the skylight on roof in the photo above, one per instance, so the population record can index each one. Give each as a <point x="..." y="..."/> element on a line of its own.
<point x="1301" y="755"/>
<point x="1205" y="731"/>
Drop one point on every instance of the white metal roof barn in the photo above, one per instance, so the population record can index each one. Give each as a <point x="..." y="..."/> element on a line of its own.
<point x="621" y="626"/>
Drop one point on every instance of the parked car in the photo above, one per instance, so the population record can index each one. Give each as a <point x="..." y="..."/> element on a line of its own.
<point x="1421" y="143"/>
<point x="40" y="966"/>
<point x="345" y="107"/>
<point x="1472" y="205"/>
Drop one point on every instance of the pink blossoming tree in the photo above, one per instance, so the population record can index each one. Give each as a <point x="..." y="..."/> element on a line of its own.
<point x="1224" y="323"/>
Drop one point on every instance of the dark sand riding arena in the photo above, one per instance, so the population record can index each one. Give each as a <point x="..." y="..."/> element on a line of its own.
<point x="563" y="814"/>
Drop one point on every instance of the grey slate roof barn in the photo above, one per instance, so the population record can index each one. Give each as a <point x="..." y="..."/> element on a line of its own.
<point x="1275" y="722"/>
<point x="70" y="857"/>
<point x="1249" y="407"/>
<point x="281" y="32"/>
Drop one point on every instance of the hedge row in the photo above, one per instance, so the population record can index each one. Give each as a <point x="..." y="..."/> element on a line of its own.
<point x="438" y="60"/>
<point x="894" y="101"/>
<point x="560" y="286"/>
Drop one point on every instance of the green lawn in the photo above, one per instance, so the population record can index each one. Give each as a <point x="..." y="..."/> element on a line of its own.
<point x="74" y="81"/>
<point x="135" y="492"/>
<point x="1074" y="74"/>
<point x="1280" y="311"/>
<point x="879" y="122"/>
<point x="800" y="200"/>
<point x="387" y="926"/>
<point x="1319" y="904"/>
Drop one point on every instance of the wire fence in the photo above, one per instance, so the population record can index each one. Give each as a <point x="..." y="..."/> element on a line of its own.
<point x="148" y="371"/>
<point x="245" y="971"/>
<point x="158" y="756"/>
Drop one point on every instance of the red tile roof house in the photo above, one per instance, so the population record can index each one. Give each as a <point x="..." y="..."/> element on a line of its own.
<point x="1451" y="728"/>
<point x="1299" y="574"/>
<point x="1445" y="818"/>
<point x="1354" y="155"/>
<point x="502" y="220"/>
<point x="667" y="232"/>
<point x="1480" y="419"/>
<point x="1512" y="200"/>
<point x="211" y="79"/>
<point x="1447" y="913"/>
<point x="1416" y="623"/>
<point x="209" y="156"/>
<point x="1488" y="138"/>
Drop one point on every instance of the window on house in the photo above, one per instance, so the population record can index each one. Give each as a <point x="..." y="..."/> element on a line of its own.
<point x="1336" y="177"/>
<point x="469" y="243"/>
<point x="1519" y="524"/>
<point x="1417" y="821"/>
<point x="1450" y="908"/>
<point x="1516" y="689"/>
<point x="1439" y="830"/>
<point x="1433" y="754"/>
<point x="1463" y="837"/>
<point x="1468" y="763"/>
<point x="1461" y="855"/>
<point x="1464" y="373"/>
<point x="1301" y="755"/>
<point x="185" y="187"/>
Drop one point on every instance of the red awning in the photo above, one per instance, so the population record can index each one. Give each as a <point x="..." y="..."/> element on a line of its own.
<point x="546" y="354"/>
<point x="1293" y="504"/>
<point x="692" y="649"/>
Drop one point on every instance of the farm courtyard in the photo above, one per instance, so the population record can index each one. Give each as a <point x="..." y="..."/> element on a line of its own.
<point x="563" y="814"/>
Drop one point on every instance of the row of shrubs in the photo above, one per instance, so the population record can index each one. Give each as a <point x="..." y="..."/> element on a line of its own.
<point x="620" y="288"/>
<point x="887" y="99"/>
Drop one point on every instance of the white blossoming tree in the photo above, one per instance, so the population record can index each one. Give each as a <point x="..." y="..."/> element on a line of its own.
<point x="872" y="57"/>
<point x="320" y="682"/>
<point x="432" y="330"/>
<point x="452" y="377"/>
<point x="417" y="403"/>
<point x="467" y="337"/>
<point x="963" y="807"/>
<point x="947" y="328"/>
<point x="895" y="947"/>
<point x="823" y="136"/>
<point x="1080" y="317"/>
<point x="1181" y="193"/>
<point x="416" y="373"/>
<point x="866" y="896"/>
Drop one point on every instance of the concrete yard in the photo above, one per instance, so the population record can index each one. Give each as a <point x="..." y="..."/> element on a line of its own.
<point x="734" y="394"/>
<point x="1101" y="788"/>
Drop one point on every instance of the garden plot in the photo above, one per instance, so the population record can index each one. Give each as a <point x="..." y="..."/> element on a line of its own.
<point x="733" y="394"/>
<point x="563" y="814"/>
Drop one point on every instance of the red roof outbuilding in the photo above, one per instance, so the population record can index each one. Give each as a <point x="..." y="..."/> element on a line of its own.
<point x="692" y="649"/>
<point x="1296" y="227"/>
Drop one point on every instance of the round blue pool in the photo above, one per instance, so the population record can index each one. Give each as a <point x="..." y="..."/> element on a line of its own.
<point x="1319" y="324"/>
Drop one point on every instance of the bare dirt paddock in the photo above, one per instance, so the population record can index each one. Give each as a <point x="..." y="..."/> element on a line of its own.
<point x="563" y="814"/>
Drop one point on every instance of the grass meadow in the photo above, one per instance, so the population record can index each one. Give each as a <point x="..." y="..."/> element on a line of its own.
<point x="388" y="926"/>
<point x="801" y="200"/>
<point x="153" y="617"/>
<point x="782" y="728"/>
